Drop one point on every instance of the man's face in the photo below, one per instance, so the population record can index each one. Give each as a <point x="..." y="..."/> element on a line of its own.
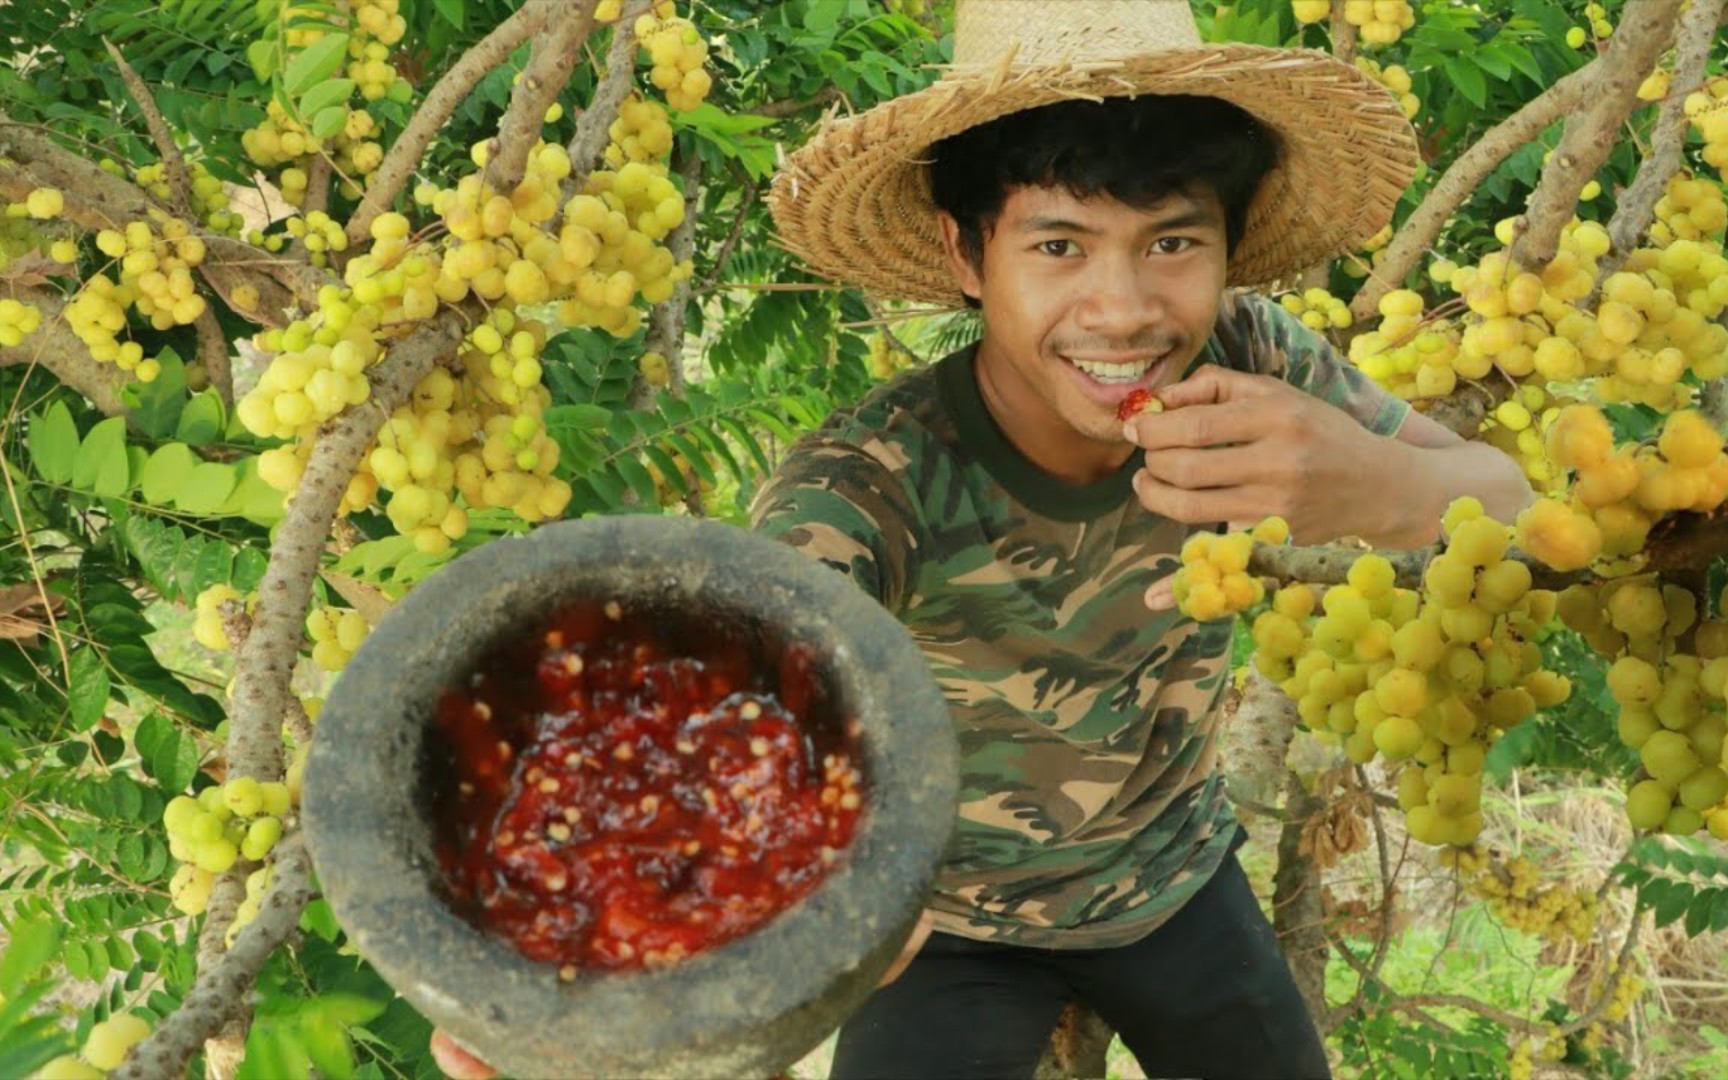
<point x="1087" y="300"/>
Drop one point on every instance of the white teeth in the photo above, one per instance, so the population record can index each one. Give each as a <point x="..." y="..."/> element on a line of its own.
<point x="1113" y="373"/>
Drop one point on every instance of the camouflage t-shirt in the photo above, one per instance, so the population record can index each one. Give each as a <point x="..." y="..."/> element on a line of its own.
<point x="1091" y="806"/>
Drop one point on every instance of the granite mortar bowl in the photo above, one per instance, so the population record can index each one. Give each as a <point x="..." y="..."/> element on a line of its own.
<point x="747" y="1008"/>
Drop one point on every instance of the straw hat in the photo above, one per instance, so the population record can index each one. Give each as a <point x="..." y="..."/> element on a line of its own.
<point x="855" y="201"/>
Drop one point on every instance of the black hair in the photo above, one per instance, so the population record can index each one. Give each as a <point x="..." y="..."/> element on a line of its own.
<point x="1136" y="150"/>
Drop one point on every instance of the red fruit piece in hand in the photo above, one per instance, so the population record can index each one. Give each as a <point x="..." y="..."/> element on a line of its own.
<point x="1137" y="402"/>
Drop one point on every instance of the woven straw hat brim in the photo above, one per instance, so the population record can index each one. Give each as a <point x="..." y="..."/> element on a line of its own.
<point x="854" y="202"/>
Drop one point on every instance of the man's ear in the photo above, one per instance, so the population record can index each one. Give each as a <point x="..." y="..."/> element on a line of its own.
<point x="966" y="275"/>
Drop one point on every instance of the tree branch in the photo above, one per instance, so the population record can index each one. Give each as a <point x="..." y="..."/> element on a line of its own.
<point x="266" y="661"/>
<point x="1461" y="180"/>
<point x="213" y="351"/>
<point x="223" y="988"/>
<point x="1343" y="33"/>
<point x="98" y="200"/>
<point x="1638" y="42"/>
<point x="666" y="321"/>
<point x="779" y="110"/>
<point x="745" y="202"/>
<point x="318" y="184"/>
<point x="1637" y="207"/>
<point x="594" y="126"/>
<point x="429" y="120"/>
<point x="549" y="66"/>
<point x="178" y="178"/>
<point x="56" y="348"/>
<point x="1254" y="739"/>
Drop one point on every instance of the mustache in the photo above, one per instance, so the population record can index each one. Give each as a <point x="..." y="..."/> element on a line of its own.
<point x="1154" y="342"/>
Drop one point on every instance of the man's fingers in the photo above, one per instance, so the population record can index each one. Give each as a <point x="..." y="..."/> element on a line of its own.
<point x="1213" y="385"/>
<point x="1217" y="467"/>
<point x="1199" y="425"/>
<point x="1162" y="595"/>
<point x="909" y="951"/>
<point x="1206" y="507"/>
<point x="458" y="1063"/>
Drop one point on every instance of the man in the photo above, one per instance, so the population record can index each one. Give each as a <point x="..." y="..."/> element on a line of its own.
<point x="1094" y="181"/>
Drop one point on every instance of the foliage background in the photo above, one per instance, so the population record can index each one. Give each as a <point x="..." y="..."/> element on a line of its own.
<point x="109" y="528"/>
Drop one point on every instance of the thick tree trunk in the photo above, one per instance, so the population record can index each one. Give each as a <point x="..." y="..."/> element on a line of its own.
<point x="1078" y="1046"/>
<point x="1297" y="913"/>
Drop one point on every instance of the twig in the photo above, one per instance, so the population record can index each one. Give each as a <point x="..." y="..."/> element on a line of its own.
<point x="213" y="351"/>
<point x="779" y="110"/>
<point x="1463" y="410"/>
<point x="1329" y="564"/>
<point x="1418" y="1003"/>
<point x="1384" y="944"/>
<point x="224" y="987"/>
<point x="550" y="63"/>
<point x="296" y="721"/>
<point x="594" y="126"/>
<point x="429" y="120"/>
<point x="1637" y="206"/>
<point x="666" y="321"/>
<point x="1461" y="180"/>
<point x="1343" y="33"/>
<point x="745" y="201"/>
<point x="1638" y="42"/>
<point x="179" y="180"/>
<point x="318" y="184"/>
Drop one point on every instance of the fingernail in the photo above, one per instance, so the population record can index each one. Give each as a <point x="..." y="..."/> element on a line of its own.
<point x="1128" y="434"/>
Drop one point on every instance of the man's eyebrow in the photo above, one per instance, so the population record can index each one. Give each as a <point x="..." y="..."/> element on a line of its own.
<point x="1186" y="219"/>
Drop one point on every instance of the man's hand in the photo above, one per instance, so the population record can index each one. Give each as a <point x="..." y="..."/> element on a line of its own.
<point x="1237" y="447"/>
<point x="457" y="1063"/>
<point x="920" y="934"/>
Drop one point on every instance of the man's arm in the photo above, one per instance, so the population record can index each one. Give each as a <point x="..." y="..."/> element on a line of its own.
<point x="1446" y="467"/>
<point x="1296" y="430"/>
<point x="837" y="504"/>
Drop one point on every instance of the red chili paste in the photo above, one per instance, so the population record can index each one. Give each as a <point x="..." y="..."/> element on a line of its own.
<point x="612" y="803"/>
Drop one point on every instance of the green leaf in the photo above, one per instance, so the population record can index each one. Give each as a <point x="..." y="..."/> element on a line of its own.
<point x="261" y="54"/>
<point x="252" y="498"/>
<point x="203" y="419"/>
<point x="54" y="443"/>
<point x="169" y="756"/>
<point x="1467" y="77"/>
<point x="452" y="11"/>
<point x="315" y="63"/>
<point x="132" y="853"/>
<point x="332" y="94"/>
<point x="101" y="465"/>
<point x="1668" y="900"/>
<point x="327" y="1045"/>
<point x="165" y="472"/>
<point x="34" y="943"/>
<point x="87" y="692"/>
<point x="156" y="405"/>
<point x="206" y="488"/>
<point x="329" y="121"/>
<point x="215" y="565"/>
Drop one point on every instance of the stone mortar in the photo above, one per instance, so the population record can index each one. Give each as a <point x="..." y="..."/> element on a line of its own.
<point x="748" y="1008"/>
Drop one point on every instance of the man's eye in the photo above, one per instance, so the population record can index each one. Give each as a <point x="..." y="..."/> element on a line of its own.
<point x="1057" y="247"/>
<point x="1172" y="245"/>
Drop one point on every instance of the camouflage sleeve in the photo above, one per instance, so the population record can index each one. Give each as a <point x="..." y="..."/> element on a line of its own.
<point x="1276" y="343"/>
<point x="836" y="503"/>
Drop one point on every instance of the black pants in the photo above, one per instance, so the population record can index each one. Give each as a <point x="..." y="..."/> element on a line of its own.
<point x="1207" y="994"/>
